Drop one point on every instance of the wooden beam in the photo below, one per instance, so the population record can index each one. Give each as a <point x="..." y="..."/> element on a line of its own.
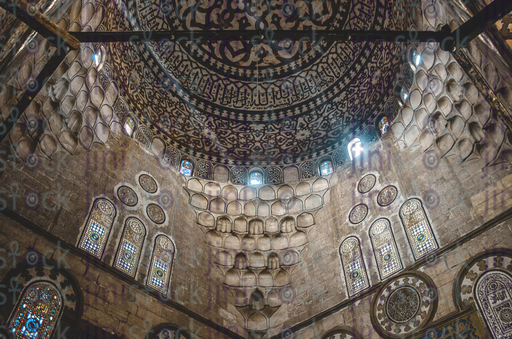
<point x="33" y="18"/>
<point x="262" y="36"/>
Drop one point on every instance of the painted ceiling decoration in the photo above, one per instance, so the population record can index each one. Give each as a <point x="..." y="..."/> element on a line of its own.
<point x="261" y="101"/>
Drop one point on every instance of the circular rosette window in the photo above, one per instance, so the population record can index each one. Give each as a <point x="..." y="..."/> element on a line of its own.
<point x="404" y="305"/>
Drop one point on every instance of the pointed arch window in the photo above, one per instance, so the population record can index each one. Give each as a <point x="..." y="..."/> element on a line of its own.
<point x="186" y="168"/>
<point x="326" y="167"/>
<point x="493" y="294"/>
<point x="37" y="312"/>
<point x="383" y="125"/>
<point x="161" y="264"/>
<point x="385" y="249"/>
<point x="129" y="126"/>
<point x="355" y="148"/>
<point x="130" y="247"/>
<point x="419" y="233"/>
<point x="98" y="227"/>
<point x="255" y="178"/>
<point x="356" y="277"/>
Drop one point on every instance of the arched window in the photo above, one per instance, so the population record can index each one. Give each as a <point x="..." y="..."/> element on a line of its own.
<point x="255" y="178"/>
<point x="353" y="266"/>
<point x="417" y="227"/>
<point x="99" y="58"/>
<point x="326" y="167"/>
<point x="130" y="247"/>
<point x="129" y="125"/>
<point x="401" y="93"/>
<point x="385" y="249"/>
<point x="98" y="227"/>
<point x="383" y="125"/>
<point x="414" y="58"/>
<point x="355" y="148"/>
<point x="493" y="294"/>
<point x="161" y="264"/>
<point x="186" y="168"/>
<point x="37" y="312"/>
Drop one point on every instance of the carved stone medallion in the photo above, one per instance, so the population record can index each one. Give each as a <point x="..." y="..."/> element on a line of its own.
<point x="366" y="183"/>
<point x="147" y="183"/>
<point x="127" y="196"/>
<point x="358" y="213"/>
<point x="387" y="195"/>
<point x="156" y="214"/>
<point x="404" y="305"/>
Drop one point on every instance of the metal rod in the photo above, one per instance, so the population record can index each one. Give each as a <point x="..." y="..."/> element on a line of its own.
<point x="258" y="36"/>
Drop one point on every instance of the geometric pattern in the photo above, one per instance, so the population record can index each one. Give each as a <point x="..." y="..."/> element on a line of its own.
<point x="358" y="214"/>
<point x="494" y="300"/>
<point x="147" y="183"/>
<point x="404" y="305"/>
<point x="236" y="96"/>
<point x="98" y="227"/>
<point x="161" y="264"/>
<point x="387" y="195"/>
<point x="37" y="313"/>
<point x="366" y="184"/>
<point x="356" y="277"/>
<point x="130" y="247"/>
<point x="417" y="227"/>
<point x="385" y="249"/>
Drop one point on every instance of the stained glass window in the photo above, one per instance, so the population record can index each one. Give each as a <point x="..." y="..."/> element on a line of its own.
<point x="129" y="125"/>
<point x="186" y="168"/>
<point x="493" y="294"/>
<point x="255" y="178"/>
<point x="383" y="125"/>
<point x="161" y="264"/>
<point x="129" y="249"/>
<point x="353" y="266"/>
<point x="326" y="167"/>
<point x="98" y="227"/>
<point x="385" y="249"/>
<point x="417" y="227"/>
<point x="37" y="312"/>
<point x="355" y="148"/>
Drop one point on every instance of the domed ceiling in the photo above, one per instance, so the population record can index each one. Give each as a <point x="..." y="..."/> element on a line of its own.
<point x="246" y="102"/>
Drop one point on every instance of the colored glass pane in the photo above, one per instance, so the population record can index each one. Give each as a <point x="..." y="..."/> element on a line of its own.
<point x="37" y="312"/>
<point x="255" y="178"/>
<point x="383" y="125"/>
<point x="353" y="266"/>
<point x="326" y="167"/>
<point x="417" y="227"/>
<point x="130" y="246"/>
<point x="97" y="228"/>
<point x="129" y="126"/>
<point x="161" y="264"/>
<point x="385" y="249"/>
<point x="186" y="168"/>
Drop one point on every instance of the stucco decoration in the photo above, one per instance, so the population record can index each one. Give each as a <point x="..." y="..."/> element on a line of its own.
<point x="404" y="305"/>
